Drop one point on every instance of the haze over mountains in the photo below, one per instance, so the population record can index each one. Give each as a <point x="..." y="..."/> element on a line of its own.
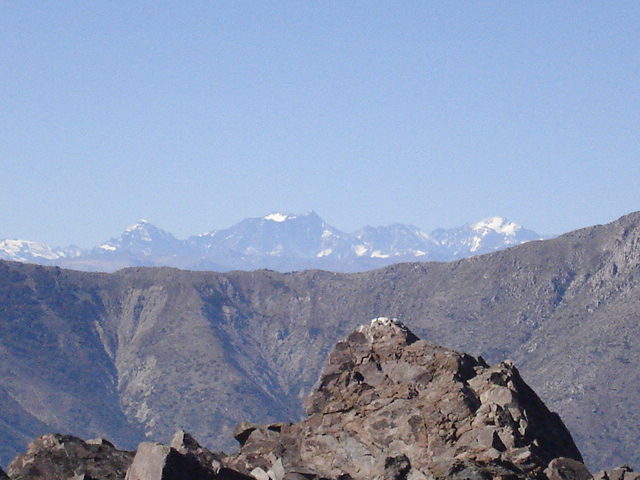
<point x="145" y="351"/>
<point x="278" y="241"/>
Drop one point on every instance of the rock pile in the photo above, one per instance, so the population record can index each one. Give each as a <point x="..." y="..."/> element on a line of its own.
<point x="56" y="456"/>
<point x="185" y="459"/>
<point x="388" y="407"/>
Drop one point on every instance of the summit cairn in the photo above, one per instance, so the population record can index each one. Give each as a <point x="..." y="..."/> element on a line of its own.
<point x="391" y="406"/>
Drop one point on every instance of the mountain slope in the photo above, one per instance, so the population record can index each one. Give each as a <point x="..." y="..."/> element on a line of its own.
<point x="220" y="348"/>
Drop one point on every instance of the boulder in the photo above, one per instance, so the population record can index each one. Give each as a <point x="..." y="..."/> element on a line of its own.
<point x="389" y="405"/>
<point x="567" y="469"/>
<point x="185" y="459"/>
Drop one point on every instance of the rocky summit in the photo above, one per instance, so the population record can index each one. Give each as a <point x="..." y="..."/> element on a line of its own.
<point x="388" y="406"/>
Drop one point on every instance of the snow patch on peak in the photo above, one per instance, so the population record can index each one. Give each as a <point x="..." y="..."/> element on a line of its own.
<point x="24" y="250"/>
<point x="360" y="250"/>
<point x="498" y="225"/>
<point x="140" y="224"/>
<point x="279" y="217"/>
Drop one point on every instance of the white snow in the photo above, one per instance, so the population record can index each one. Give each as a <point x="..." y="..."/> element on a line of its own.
<point x="22" y="250"/>
<point x="360" y="250"/>
<point x="327" y="233"/>
<point x="419" y="253"/>
<point x="279" y="217"/>
<point x="276" y="252"/>
<point x="108" y="247"/>
<point x="475" y="244"/>
<point x="498" y="225"/>
<point x="379" y="254"/>
<point x="136" y="226"/>
<point x="325" y="252"/>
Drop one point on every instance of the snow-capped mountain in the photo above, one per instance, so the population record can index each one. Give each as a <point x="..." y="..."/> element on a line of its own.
<point x="485" y="236"/>
<point x="397" y="240"/>
<point x="275" y="235"/>
<point x="278" y="241"/>
<point x="34" y="252"/>
<point x="143" y="239"/>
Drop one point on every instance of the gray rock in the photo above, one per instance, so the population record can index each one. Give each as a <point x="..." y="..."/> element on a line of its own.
<point x="55" y="456"/>
<point x="186" y="459"/>
<point x="624" y="472"/>
<point x="151" y="461"/>
<point x="567" y="469"/>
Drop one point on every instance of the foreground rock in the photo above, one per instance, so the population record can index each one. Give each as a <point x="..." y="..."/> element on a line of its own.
<point x="391" y="406"/>
<point x="185" y="459"/>
<point x="56" y="456"/>
<point x="619" y="473"/>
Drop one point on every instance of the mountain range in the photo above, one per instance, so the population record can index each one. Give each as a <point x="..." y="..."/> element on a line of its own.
<point x="281" y="242"/>
<point x="142" y="352"/>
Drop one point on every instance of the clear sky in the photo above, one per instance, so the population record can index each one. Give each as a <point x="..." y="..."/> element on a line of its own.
<point x="197" y="114"/>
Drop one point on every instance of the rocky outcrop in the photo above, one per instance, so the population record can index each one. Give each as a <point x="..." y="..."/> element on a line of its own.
<point x="55" y="456"/>
<point x="567" y="469"/>
<point x="391" y="406"/>
<point x="623" y="472"/>
<point x="185" y="459"/>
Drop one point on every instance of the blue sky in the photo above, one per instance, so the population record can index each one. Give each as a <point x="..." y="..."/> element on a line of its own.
<point x="197" y="114"/>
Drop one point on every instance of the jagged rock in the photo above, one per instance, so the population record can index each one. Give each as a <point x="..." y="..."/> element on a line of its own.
<point x="186" y="445"/>
<point x="243" y="430"/>
<point x="624" y="472"/>
<point x="100" y="441"/>
<point x="567" y="469"/>
<point x="389" y="405"/>
<point x="55" y="456"/>
<point x="3" y="475"/>
<point x="185" y="459"/>
<point x="396" y="468"/>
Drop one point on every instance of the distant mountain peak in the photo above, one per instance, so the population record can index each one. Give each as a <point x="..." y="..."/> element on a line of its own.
<point x="141" y="223"/>
<point x="497" y="224"/>
<point x="27" y="250"/>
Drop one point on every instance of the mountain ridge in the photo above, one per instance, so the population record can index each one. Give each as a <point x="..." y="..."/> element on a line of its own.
<point x="278" y="241"/>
